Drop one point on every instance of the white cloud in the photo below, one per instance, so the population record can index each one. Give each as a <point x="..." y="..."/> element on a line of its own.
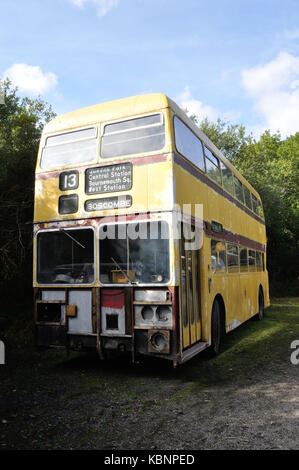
<point x="186" y="101"/>
<point x="102" y="6"/>
<point x="30" y="79"/>
<point x="274" y="87"/>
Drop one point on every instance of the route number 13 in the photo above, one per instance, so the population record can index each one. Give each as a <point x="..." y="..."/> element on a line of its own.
<point x="68" y="180"/>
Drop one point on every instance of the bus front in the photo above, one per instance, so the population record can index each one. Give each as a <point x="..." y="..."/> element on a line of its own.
<point x="103" y="252"/>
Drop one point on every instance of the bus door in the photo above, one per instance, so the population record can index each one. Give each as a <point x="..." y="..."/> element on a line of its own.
<point x="189" y="294"/>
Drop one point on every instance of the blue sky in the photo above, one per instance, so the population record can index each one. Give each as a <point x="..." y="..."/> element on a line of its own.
<point x="233" y="59"/>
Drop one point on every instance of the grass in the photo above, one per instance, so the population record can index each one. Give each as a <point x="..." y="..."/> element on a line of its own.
<point x="117" y="391"/>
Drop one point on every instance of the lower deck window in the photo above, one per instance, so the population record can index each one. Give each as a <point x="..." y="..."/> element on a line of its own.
<point x="134" y="252"/>
<point x="65" y="257"/>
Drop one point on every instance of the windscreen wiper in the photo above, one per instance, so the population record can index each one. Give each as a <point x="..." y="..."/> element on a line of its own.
<point x="72" y="238"/>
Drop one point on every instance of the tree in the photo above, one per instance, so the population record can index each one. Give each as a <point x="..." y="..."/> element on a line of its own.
<point x="270" y="165"/>
<point x="21" y="124"/>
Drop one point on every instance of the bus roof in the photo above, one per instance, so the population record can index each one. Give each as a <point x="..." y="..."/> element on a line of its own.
<point x="133" y="105"/>
<point x="108" y="111"/>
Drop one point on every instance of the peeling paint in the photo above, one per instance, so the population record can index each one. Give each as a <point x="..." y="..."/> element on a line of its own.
<point x="233" y="324"/>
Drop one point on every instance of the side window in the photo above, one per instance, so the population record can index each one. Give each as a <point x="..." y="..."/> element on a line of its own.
<point x="212" y="166"/>
<point x="188" y="144"/>
<point x="239" y="189"/>
<point x="247" y="195"/>
<point x="254" y="204"/>
<point x="232" y="258"/>
<point x="218" y="255"/>
<point x="258" y="261"/>
<point x="227" y="178"/>
<point x="243" y="259"/>
<point x="251" y="260"/>
<point x="260" y="209"/>
<point x="263" y="261"/>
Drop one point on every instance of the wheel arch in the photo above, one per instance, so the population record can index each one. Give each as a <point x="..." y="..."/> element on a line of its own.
<point x="221" y="304"/>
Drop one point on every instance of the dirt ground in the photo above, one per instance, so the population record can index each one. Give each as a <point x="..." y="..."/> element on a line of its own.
<point x="245" y="398"/>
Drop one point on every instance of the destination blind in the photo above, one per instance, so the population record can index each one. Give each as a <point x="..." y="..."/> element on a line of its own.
<point x="111" y="178"/>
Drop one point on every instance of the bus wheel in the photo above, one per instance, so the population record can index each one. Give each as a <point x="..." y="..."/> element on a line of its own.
<point x="215" y="329"/>
<point x="260" y="315"/>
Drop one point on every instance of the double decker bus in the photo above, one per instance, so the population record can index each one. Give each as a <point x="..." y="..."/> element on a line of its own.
<point x="147" y="240"/>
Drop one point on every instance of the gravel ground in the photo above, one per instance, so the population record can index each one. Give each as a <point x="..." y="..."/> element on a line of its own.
<point x="245" y="398"/>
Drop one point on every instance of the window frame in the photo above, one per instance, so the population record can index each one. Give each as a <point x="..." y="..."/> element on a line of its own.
<point x="203" y="169"/>
<point x="126" y="222"/>
<point x="94" y="257"/>
<point x="235" y="186"/>
<point x="163" y="121"/>
<point x="70" y="131"/>
<point x="218" y="166"/>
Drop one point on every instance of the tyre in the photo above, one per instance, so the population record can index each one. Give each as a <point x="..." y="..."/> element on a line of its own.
<point x="215" y="329"/>
<point x="260" y="315"/>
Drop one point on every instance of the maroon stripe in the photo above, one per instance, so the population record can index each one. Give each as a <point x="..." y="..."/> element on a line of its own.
<point x="198" y="174"/>
<point x="135" y="162"/>
<point x="231" y="237"/>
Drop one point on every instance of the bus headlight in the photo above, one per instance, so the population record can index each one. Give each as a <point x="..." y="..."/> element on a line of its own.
<point x="153" y="315"/>
<point x="159" y="341"/>
<point x="163" y="313"/>
<point x="147" y="313"/>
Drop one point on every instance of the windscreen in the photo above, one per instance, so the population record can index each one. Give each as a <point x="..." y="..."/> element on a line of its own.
<point x="135" y="252"/>
<point x="65" y="257"/>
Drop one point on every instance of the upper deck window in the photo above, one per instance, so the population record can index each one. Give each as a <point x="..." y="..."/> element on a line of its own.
<point x="227" y="178"/>
<point x="247" y="197"/>
<point x="188" y="144"/>
<point x="239" y="189"/>
<point x="69" y="148"/>
<point x="212" y="166"/>
<point x="143" y="134"/>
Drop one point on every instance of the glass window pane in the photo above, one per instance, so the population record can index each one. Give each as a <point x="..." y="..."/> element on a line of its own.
<point x="243" y="259"/>
<point x="190" y="286"/>
<point x="138" y="135"/>
<point x="259" y="261"/>
<point x="65" y="257"/>
<point x="183" y="274"/>
<point x="133" y="124"/>
<point x="260" y="210"/>
<point x="188" y="144"/>
<point x="251" y="260"/>
<point x="71" y="136"/>
<point x="232" y="257"/>
<point x="136" y="252"/>
<point x="218" y="255"/>
<point x="67" y="153"/>
<point x="227" y="178"/>
<point x="197" y="286"/>
<point x="213" y="171"/>
<point x="239" y="189"/>
<point x="247" y="197"/>
<point x="254" y="204"/>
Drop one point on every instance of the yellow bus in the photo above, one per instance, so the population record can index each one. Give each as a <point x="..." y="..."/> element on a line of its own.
<point x="147" y="240"/>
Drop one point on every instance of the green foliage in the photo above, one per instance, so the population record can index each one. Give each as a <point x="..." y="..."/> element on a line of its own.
<point x="21" y="123"/>
<point x="271" y="166"/>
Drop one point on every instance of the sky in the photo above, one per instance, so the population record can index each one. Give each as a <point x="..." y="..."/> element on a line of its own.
<point x="237" y="60"/>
